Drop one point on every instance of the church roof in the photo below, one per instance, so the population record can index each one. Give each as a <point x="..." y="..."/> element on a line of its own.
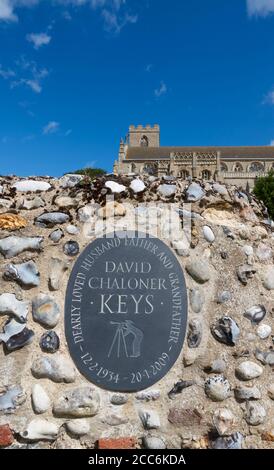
<point x="158" y="153"/>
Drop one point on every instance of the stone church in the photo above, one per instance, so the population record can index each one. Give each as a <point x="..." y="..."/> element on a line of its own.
<point x="141" y="153"/>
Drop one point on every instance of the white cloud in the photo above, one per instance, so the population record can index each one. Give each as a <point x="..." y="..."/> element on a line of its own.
<point x="6" y="74"/>
<point x="148" y="68"/>
<point x="161" y="90"/>
<point x="6" y="11"/>
<point x="68" y="132"/>
<point x="38" y="39"/>
<point x="30" y="75"/>
<point x="272" y="143"/>
<point x="91" y="164"/>
<point x="260" y="7"/>
<point x="51" y="128"/>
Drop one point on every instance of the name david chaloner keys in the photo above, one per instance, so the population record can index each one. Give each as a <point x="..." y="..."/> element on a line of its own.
<point x="126" y="301"/>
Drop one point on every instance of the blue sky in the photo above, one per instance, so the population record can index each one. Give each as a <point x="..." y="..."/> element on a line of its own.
<point x="74" y="74"/>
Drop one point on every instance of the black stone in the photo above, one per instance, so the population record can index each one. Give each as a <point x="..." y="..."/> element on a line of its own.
<point x="179" y="387"/>
<point x="71" y="248"/>
<point x="49" y="342"/>
<point x="23" y="338"/>
<point x="226" y="331"/>
<point x="126" y="311"/>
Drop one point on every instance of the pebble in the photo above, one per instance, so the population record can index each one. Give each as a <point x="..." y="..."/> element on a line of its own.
<point x="248" y="250"/>
<point x="217" y="366"/>
<point x="45" y="310"/>
<point x="186" y="417"/>
<point x="118" y="399"/>
<point x="150" y="419"/>
<point x="208" y="234"/>
<point x="11" y="328"/>
<point x="78" y="427"/>
<point x="148" y="395"/>
<point x="56" y="368"/>
<point x="72" y="229"/>
<point x="248" y="370"/>
<point x="270" y="391"/>
<point x="71" y="248"/>
<point x="247" y="393"/>
<point x="224" y="296"/>
<point x="11" y="397"/>
<point x="57" y="269"/>
<point x="264" y="331"/>
<point x="49" y="342"/>
<point x="70" y="180"/>
<point x="226" y="331"/>
<point x="49" y="219"/>
<point x="223" y="420"/>
<point x="245" y="272"/>
<point x="56" y="235"/>
<point x="115" y="188"/>
<point x="65" y="202"/>
<point x="40" y="399"/>
<point x="13" y="246"/>
<point x="231" y="442"/>
<point x="195" y="332"/>
<point x="181" y="247"/>
<point x="255" y="314"/>
<point x="167" y="190"/>
<point x="266" y="358"/>
<point x="137" y="186"/>
<point x="20" y="340"/>
<point x="199" y="270"/>
<point x="217" y="388"/>
<point x="179" y="387"/>
<point x="9" y="305"/>
<point x="26" y="274"/>
<point x="152" y="442"/>
<point x="255" y="413"/>
<point x="197" y="300"/>
<point x="194" y="193"/>
<point x="268" y="281"/>
<point x="78" y="403"/>
<point x="40" y="429"/>
<point x="86" y="213"/>
<point x="264" y="252"/>
<point x="31" y="185"/>
<point x="5" y="203"/>
<point x="218" y="188"/>
<point x="30" y="204"/>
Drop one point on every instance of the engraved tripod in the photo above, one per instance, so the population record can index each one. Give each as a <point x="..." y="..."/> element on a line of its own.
<point x="122" y="331"/>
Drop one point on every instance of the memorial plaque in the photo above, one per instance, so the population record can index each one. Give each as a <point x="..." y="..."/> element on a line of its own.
<point x="126" y="311"/>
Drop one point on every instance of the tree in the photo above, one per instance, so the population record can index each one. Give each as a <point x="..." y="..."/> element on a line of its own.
<point x="264" y="190"/>
<point x="90" y="172"/>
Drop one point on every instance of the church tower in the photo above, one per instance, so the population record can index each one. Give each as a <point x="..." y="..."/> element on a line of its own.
<point x="144" y="136"/>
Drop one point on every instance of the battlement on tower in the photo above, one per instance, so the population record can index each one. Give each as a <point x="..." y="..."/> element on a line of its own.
<point x="144" y="136"/>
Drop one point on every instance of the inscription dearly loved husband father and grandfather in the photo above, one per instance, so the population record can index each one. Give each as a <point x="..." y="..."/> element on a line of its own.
<point x="126" y="311"/>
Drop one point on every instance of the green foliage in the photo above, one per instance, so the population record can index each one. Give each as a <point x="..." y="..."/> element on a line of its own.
<point x="90" y="172"/>
<point x="264" y="190"/>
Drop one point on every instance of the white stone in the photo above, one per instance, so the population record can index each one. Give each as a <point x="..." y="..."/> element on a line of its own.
<point x="115" y="188"/>
<point x="40" y="399"/>
<point x="248" y="250"/>
<point x="208" y="234"/>
<point x="167" y="190"/>
<point x="13" y="246"/>
<point x="9" y="305"/>
<point x="218" y="188"/>
<point x="30" y="204"/>
<point x="249" y="370"/>
<point x="86" y="213"/>
<point x="194" y="192"/>
<point x="150" y="419"/>
<point x="264" y="331"/>
<point x="41" y="429"/>
<point x="223" y="420"/>
<point x="65" y="202"/>
<point x="70" y="180"/>
<point x="255" y="413"/>
<point x="137" y="186"/>
<point x="151" y="442"/>
<point x="268" y="281"/>
<point x="264" y="252"/>
<point x="56" y="368"/>
<point x="10" y="329"/>
<point x="5" y="203"/>
<point x="78" y="427"/>
<point x="181" y="246"/>
<point x="72" y="229"/>
<point x="1" y="189"/>
<point x="31" y="185"/>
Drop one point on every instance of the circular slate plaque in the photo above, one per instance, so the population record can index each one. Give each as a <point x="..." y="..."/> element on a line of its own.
<point x="126" y="311"/>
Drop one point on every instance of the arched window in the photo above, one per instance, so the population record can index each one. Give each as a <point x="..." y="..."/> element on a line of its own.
<point x="238" y="168"/>
<point x="150" y="169"/>
<point x="223" y="167"/>
<point x="206" y="175"/>
<point x="133" y="168"/>
<point x="184" y="174"/>
<point x="144" y="141"/>
<point x="256" y="167"/>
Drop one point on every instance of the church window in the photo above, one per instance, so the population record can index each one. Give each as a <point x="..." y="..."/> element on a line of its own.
<point x="144" y="141"/>
<point x="184" y="174"/>
<point x="223" y="167"/>
<point x="238" y="168"/>
<point x="206" y="175"/>
<point x="256" y="167"/>
<point x="150" y="169"/>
